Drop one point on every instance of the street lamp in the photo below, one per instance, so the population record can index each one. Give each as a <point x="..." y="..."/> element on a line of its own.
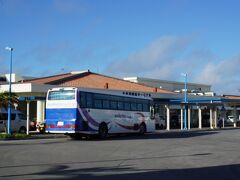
<point x="9" y="95"/>
<point x="185" y="100"/>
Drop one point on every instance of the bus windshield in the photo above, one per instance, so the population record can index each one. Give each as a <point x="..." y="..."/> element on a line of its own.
<point x="61" y="95"/>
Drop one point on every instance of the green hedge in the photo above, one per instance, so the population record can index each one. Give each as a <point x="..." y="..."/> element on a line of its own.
<point x="13" y="136"/>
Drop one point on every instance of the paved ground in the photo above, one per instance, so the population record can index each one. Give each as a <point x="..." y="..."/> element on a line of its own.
<point x="166" y="155"/>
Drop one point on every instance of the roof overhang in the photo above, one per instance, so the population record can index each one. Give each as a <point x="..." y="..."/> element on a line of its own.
<point x="178" y="99"/>
<point x="26" y="88"/>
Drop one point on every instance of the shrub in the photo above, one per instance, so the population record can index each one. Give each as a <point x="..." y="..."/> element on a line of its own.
<point x="13" y="136"/>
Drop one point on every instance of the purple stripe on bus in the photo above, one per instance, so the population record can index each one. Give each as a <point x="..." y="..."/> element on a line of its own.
<point x="89" y="118"/>
<point x="127" y="127"/>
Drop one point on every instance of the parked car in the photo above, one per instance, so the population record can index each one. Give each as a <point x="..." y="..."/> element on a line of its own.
<point x="18" y="121"/>
<point x="230" y="119"/>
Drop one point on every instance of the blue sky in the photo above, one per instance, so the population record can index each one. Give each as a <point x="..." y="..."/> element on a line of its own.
<point x="147" y="38"/>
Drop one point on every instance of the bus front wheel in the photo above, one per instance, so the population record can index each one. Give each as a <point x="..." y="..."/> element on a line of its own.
<point x="103" y="131"/>
<point x="142" y="128"/>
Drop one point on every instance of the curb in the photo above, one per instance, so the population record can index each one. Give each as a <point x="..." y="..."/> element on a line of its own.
<point x="37" y="136"/>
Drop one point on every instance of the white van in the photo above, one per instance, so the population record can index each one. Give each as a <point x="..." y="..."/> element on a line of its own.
<point x="230" y="119"/>
<point x="18" y="121"/>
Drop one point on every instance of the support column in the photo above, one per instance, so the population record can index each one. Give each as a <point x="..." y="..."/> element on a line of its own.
<point x="199" y="117"/>
<point x="44" y="106"/>
<point x="189" y="117"/>
<point x="215" y="117"/>
<point x="168" y="118"/>
<point x="223" y="119"/>
<point x="28" y="107"/>
<point x="181" y="118"/>
<point x="211" y="118"/>
<point x="40" y="111"/>
<point x="234" y="116"/>
<point x="224" y="115"/>
<point x="185" y="116"/>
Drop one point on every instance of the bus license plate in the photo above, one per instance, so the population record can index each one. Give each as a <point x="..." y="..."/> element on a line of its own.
<point x="60" y="123"/>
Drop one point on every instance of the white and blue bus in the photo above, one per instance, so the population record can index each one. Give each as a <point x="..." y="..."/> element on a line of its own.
<point x="81" y="111"/>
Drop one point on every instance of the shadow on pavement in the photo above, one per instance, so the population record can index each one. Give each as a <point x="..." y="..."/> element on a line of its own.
<point x="217" y="172"/>
<point x="105" y="161"/>
<point x="157" y="135"/>
<point x="224" y="172"/>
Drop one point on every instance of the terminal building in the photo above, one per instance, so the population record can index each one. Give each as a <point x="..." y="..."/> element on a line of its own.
<point x="171" y="85"/>
<point x="204" y="107"/>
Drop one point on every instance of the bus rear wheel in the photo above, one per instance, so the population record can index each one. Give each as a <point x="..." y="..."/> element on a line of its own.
<point x="103" y="131"/>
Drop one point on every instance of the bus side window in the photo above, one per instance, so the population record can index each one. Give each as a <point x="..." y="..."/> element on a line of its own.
<point x="106" y="104"/>
<point x="120" y="105"/>
<point x="133" y="106"/>
<point x="113" y="104"/>
<point x="98" y="103"/>
<point x="145" y="107"/>
<point x="89" y="100"/>
<point x="127" y="106"/>
<point x="83" y="99"/>
<point x="139" y="107"/>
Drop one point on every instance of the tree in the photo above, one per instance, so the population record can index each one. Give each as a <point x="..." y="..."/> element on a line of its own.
<point x="4" y="99"/>
<point x="4" y="96"/>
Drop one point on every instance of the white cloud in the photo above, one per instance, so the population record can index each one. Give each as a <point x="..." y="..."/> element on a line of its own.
<point x="167" y="57"/>
<point x="161" y="52"/>
<point x="223" y="76"/>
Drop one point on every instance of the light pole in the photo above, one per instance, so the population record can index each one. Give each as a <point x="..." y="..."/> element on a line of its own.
<point x="185" y="100"/>
<point x="10" y="89"/>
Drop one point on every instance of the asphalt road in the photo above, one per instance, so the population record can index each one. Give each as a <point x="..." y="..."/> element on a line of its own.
<point x="166" y="155"/>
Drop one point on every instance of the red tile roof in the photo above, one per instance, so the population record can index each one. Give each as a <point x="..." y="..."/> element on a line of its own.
<point x="93" y="80"/>
<point x="49" y="79"/>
